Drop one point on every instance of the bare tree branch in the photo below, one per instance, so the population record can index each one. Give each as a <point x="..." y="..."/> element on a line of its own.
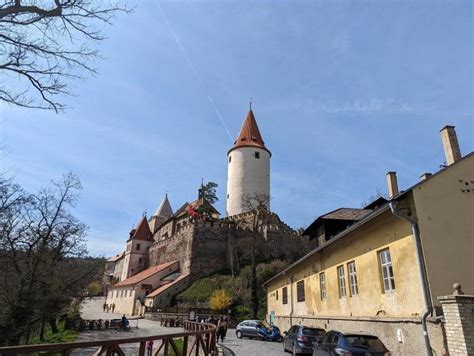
<point x="44" y="44"/>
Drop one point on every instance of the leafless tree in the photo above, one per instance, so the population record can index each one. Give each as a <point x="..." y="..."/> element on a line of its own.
<point x="44" y="44"/>
<point x="258" y="205"/>
<point x="39" y="242"/>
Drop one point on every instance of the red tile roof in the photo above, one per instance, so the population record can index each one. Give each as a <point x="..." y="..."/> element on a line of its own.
<point x="144" y="274"/>
<point x="166" y="286"/>
<point x="142" y="231"/>
<point x="249" y="135"/>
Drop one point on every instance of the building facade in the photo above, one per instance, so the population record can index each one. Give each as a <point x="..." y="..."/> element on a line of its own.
<point x="368" y="277"/>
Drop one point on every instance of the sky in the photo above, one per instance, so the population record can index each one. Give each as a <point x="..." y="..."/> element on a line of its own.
<point x="343" y="92"/>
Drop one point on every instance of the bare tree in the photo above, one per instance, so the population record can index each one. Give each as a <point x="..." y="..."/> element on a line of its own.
<point x="258" y="205"/>
<point x="44" y="44"/>
<point x="39" y="241"/>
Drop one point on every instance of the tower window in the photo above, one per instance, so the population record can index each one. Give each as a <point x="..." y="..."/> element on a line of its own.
<point x="227" y="196"/>
<point x="257" y="155"/>
<point x="138" y="247"/>
<point x="230" y="159"/>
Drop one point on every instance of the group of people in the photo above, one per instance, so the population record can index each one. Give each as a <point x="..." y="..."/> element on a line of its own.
<point x="108" y="308"/>
<point x="221" y="324"/>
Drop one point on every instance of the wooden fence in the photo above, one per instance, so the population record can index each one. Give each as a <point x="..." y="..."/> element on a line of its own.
<point x="198" y="339"/>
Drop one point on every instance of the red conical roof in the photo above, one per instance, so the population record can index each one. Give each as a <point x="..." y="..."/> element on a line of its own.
<point x="142" y="231"/>
<point x="249" y="135"/>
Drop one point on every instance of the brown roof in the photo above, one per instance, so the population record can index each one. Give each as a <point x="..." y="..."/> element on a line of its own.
<point x="166" y="286"/>
<point x="142" y="231"/>
<point x="116" y="257"/>
<point x="144" y="274"/>
<point x="347" y="214"/>
<point x="249" y="135"/>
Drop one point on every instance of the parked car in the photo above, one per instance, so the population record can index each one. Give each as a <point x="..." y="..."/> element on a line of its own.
<point x="300" y="339"/>
<point x="336" y="343"/>
<point x="248" y="328"/>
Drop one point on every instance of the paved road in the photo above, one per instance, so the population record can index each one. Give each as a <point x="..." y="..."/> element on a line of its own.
<point x="248" y="347"/>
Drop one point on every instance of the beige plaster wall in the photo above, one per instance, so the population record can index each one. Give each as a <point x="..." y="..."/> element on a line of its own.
<point x="446" y="220"/>
<point x="361" y="246"/>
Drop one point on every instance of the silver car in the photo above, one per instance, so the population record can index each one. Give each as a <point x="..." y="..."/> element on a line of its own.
<point x="248" y="328"/>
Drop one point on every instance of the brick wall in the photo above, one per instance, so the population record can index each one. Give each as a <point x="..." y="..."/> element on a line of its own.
<point x="459" y="318"/>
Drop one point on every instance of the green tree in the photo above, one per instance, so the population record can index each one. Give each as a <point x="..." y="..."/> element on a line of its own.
<point x="208" y="193"/>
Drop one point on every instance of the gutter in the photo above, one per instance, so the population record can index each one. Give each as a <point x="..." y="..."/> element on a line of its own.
<point x="421" y="268"/>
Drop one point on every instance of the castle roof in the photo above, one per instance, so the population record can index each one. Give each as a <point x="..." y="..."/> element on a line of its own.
<point x="249" y="135"/>
<point x="144" y="274"/>
<point x="164" y="209"/>
<point x="116" y="257"/>
<point x="165" y="286"/>
<point x="142" y="231"/>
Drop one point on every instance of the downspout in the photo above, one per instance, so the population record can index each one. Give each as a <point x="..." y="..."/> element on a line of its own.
<point x="290" y="279"/>
<point x="422" y="269"/>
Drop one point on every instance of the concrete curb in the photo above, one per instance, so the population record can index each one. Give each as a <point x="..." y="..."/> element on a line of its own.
<point x="223" y="350"/>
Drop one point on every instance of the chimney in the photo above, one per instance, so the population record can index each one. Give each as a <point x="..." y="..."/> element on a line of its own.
<point x="425" y="176"/>
<point x="392" y="184"/>
<point x="450" y="144"/>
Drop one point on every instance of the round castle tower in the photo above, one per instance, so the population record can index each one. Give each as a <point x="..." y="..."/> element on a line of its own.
<point x="248" y="171"/>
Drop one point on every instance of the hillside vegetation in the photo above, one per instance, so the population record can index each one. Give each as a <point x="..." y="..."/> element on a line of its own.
<point x="238" y="287"/>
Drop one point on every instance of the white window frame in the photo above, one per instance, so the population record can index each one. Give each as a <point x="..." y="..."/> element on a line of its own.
<point x="341" y="278"/>
<point x="322" y="286"/>
<point x="386" y="269"/>
<point x="352" y="271"/>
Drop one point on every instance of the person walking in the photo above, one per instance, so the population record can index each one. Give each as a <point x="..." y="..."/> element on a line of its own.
<point x="149" y="347"/>
<point x="221" y="329"/>
<point x="113" y="307"/>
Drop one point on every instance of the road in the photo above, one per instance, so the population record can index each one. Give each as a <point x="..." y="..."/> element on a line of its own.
<point x="248" y="347"/>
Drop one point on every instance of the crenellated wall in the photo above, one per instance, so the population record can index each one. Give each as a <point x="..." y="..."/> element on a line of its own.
<point x="204" y="247"/>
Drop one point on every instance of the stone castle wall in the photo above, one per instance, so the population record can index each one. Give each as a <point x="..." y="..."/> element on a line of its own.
<point x="204" y="247"/>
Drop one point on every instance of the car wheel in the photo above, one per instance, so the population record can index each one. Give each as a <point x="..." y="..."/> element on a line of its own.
<point x="293" y="350"/>
<point x="239" y="334"/>
<point x="279" y="339"/>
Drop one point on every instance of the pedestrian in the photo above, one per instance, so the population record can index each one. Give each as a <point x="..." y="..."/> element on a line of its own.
<point x="105" y="307"/>
<point x="149" y="347"/>
<point x="221" y="329"/>
<point x="113" y="307"/>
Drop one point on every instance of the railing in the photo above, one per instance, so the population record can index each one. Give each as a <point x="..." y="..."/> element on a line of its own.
<point x="198" y="339"/>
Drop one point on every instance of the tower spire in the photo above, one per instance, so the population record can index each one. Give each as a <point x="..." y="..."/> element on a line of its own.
<point x="250" y="104"/>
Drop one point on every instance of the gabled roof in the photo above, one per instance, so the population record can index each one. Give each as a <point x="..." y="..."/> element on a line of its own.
<point x="142" y="231"/>
<point x="376" y="203"/>
<point x="166" y="286"/>
<point x="249" y="135"/>
<point x="116" y="257"/>
<point x="164" y="209"/>
<point x="345" y="214"/>
<point x="144" y="274"/>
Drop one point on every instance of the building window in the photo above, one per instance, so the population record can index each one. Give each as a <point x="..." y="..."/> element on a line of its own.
<point x="284" y="295"/>
<point x="322" y="285"/>
<point x="387" y="270"/>
<point x="342" y="281"/>
<point x="276" y="294"/>
<point x="230" y="159"/>
<point x="257" y="155"/>
<point x="140" y="260"/>
<point x="138" y="247"/>
<point x="227" y="196"/>
<point x="300" y="291"/>
<point x="351" y="267"/>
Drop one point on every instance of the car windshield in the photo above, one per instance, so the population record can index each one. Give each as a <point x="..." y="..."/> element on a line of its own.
<point x="367" y="342"/>
<point x="313" y="332"/>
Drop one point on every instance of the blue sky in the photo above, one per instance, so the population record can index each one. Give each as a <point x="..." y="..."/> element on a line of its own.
<point x="343" y="91"/>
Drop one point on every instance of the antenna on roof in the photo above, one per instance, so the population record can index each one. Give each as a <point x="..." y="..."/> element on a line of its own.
<point x="144" y="213"/>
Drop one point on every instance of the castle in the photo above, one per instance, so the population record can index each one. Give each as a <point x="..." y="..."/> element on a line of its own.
<point x="170" y="250"/>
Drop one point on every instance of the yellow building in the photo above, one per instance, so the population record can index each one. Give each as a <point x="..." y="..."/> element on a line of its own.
<point x="381" y="274"/>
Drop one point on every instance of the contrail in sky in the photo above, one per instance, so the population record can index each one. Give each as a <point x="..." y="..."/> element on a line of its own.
<point x="201" y="82"/>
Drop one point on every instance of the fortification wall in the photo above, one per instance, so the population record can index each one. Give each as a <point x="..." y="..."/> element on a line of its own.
<point x="204" y="247"/>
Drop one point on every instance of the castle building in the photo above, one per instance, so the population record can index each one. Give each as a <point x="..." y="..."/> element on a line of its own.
<point x="248" y="170"/>
<point x="167" y="252"/>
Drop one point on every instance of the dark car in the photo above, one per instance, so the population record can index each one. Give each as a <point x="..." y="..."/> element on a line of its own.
<point x="300" y="339"/>
<point x="337" y="343"/>
<point x="248" y="328"/>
